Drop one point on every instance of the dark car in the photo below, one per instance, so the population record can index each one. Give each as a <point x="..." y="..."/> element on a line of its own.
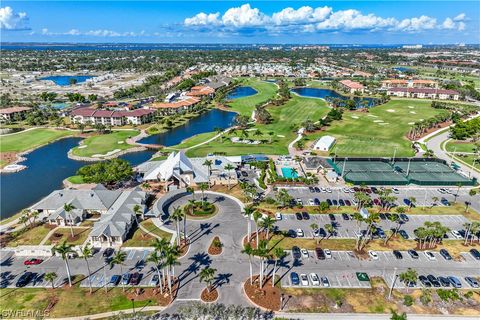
<point x="316" y="201"/>
<point x="397" y="254"/>
<point x="424" y="281"/>
<point x="334" y="202"/>
<point x="317" y="189"/>
<point x="475" y="254"/>
<point x="329" y="202"/>
<point x="413" y="254"/>
<point x="348" y="203"/>
<point x="296" y="253"/>
<point x="382" y="216"/>
<point x="445" y="202"/>
<point x="455" y="282"/>
<point x="305" y="215"/>
<point x="114" y="280"/>
<point x="388" y="215"/>
<point x="320" y="253"/>
<point x="108" y="252"/>
<point x="407" y="202"/>
<point x="311" y="189"/>
<point x="24" y="279"/>
<point x="341" y="202"/>
<point x="444" y="281"/>
<point x="403" y="234"/>
<point x="244" y="173"/>
<point x="356" y="189"/>
<point x="135" y="279"/>
<point x="292" y="233"/>
<point x="445" y="254"/>
<point x="322" y="232"/>
<point x="331" y="216"/>
<point x="380" y="233"/>
<point x="294" y="278"/>
<point x="299" y="216"/>
<point x="376" y="202"/>
<point x="404" y="217"/>
<point x="374" y="190"/>
<point x="434" y="281"/>
<point x="345" y="216"/>
<point x="472" y="282"/>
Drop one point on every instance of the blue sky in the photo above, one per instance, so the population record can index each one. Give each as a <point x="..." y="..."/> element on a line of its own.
<point x="215" y="21"/>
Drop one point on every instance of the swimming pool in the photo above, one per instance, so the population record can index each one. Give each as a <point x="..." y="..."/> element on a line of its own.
<point x="288" y="173"/>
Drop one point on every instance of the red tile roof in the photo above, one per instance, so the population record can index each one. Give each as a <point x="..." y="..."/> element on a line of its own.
<point x="13" y="110"/>
<point x="424" y="90"/>
<point x="352" y="84"/>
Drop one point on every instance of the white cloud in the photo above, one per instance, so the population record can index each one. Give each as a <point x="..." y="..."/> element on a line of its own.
<point x="320" y="19"/>
<point x="10" y="20"/>
<point x="460" y="17"/>
<point x="203" y="19"/>
<point x="94" y="33"/>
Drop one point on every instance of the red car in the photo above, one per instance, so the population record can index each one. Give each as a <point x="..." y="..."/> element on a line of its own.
<point x="32" y="261"/>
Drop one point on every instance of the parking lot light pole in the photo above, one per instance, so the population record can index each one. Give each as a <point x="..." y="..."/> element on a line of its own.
<point x="133" y="306"/>
<point x="281" y="301"/>
<point x="393" y="282"/>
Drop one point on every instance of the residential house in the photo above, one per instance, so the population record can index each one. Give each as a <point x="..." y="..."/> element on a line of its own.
<point x="111" y="117"/>
<point x="409" y="83"/>
<point x="426" y="93"/>
<point x="351" y="86"/>
<point x="13" y="113"/>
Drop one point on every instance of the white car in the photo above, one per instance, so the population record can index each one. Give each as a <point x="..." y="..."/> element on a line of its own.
<point x="329" y="190"/>
<point x="354" y="202"/>
<point x="395" y="190"/>
<point x="322" y="189"/>
<point x="346" y="190"/>
<point x="429" y="255"/>
<point x="314" y="279"/>
<point x="373" y="254"/>
<point x="442" y="190"/>
<point x="299" y="201"/>
<point x="352" y="190"/>
<point x="300" y="233"/>
<point x="303" y="279"/>
<point x="311" y="202"/>
<point x="328" y="253"/>
<point x="325" y="282"/>
<point x="304" y="253"/>
<point x="456" y="234"/>
<point x="278" y="216"/>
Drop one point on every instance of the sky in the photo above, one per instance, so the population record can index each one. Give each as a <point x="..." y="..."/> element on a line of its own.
<point x="216" y="21"/>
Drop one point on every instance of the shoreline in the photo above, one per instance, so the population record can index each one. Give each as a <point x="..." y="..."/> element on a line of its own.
<point x="109" y="157"/>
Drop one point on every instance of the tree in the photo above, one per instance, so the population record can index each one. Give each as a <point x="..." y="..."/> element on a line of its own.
<point x="64" y="250"/>
<point x="278" y="254"/>
<point x="208" y="163"/>
<point x="87" y="252"/>
<point x="177" y="216"/>
<point x="161" y="246"/>
<point x="396" y="316"/>
<point x="412" y="202"/>
<point x="330" y="229"/>
<point x="156" y="259"/>
<point x="67" y="207"/>
<point x="229" y="168"/>
<point x="119" y="259"/>
<point x="249" y="251"/>
<point x="106" y="172"/>
<point x="323" y="206"/>
<point x="207" y="275"/>
<point x="314" y="227"/>
<point x="268" y="223"/>
<point x="171" y="260"/>
<point x="261" y="252"/>
<point x="50" y="277"/>
<point x="471" y="193"/>
<point x="192" y="191"/>
<point x="256" y="218"/>
<point x="203" y="187"/>
<point x="409" y="276"/>
<point x="248" y="212"/>
<point x="23" y="219"/>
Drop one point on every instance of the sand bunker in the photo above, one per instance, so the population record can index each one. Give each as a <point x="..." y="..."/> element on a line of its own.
<point x="384" y="123"/>
<point x="377" y="120"/>
<point x="106" y="154"/>
<point x="280" y="136"/>
<point x="120" y="142"/>
<point x="411" y="107"/>
<point x="411" y="123"/>
<point x="82" y="147"/>
<point x="390" y="110"/>
<point x="371" y="115"/>
<point x="354" y="117"/>
<point x="413" y="112"/>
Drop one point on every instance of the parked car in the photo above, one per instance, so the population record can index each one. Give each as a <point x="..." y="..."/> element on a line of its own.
<point x="320" y="253"/>
<point x="434" y="281"/>
<point x="135" y="279"/>
<point x="348" y="203"/>
<point x="424" y="281"/>
<point x="403" y="234"/>
<point x="325" y="282"/>
<point x="329" y="202"/>
<point x="345" y="216"/>
<point x="155" y="280"/>
<point x="472" y="282"/>
<point x="382" y="216"/>
<point x="328" y="190"/>
<point x="298" y="215"/>
<point x="322" y="233"/>
<point x="24" y="279"/>
<point x="305" y="215"/>
<point x="444" y="281"/>
<point x="278" y="216"/>
<point x="328" y="253"/>
<point x="455" y="282"/>
<point x="475" y="254"/>
<point x="445" y="254"/>
<point x="291" y="233"/>
<point x="413" y="254"/>
<point x="317" y="189"/>
<point x="314" y="279"/>
<point x="404" y="217"/>
<point x="114" y="280"/>
<point x="296" y="253"/>
<point x="341" y="202"/>
<point x="373" y="255"/>
<point x="395" y="190"/>
<point x="311" y="189"/>
<point x="294" y="278"/>
<point x="108" y="252"/>
<point x="126" y="278"/>
<point x="300" y="233"/>
<point x="430" y="256"/>
<point x="33" y="261"/>
<point x="331" y="216"/>
<point x="407" y="202"/>
<point x="445" y="202"/>
<point x="316" y="201"/>
<point x="397" y="254"/>
<point x="299" y="202"/>
<point x="304" y="279"/>
<point x="334" y="202"/>
<point x="304" y="253"/>
<point x="311" y="202"/>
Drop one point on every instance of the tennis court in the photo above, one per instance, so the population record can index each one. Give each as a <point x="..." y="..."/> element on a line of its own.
<point x="382" y="171"/>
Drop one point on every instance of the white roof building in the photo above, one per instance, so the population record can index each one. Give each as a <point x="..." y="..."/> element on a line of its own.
<point x="324" y="143"/>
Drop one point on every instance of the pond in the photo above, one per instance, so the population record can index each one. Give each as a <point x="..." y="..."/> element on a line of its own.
<point x="47" y="167"/>
<point x="241" y="92"/>
<point x="65" y="80"/>
<point x="328" y="94"/>
<point x="206" y="122"/>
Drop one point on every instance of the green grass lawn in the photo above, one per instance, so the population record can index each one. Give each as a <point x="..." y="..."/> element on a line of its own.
<point x="81" y="235"/>
<point x="76" y="179"/>
<point x="104" y="143"/>
<point x="245" y="106"/>
<point x="459" y="146"/>
<point x="30" y="237"/>
<point x="287" y="120"/>
<point x="27" y="140"/>
<point x="142" y="239"/>
<point x="381" y="130"/>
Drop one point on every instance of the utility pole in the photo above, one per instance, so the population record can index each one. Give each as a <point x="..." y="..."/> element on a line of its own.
<point x="393" y="282"/>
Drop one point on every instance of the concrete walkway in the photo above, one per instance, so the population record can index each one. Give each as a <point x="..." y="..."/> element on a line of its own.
<point x="291" y="148"/>
<point x="209" y="140"/>
<point x="105" y="315"/>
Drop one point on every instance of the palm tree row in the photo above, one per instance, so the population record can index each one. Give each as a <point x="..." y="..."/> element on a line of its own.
<point x="264" y="254"/>
<point x="430" y="234"/>
<point x="165" y="258"/>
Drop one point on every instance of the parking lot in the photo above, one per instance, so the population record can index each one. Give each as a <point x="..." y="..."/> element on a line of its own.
<point x="342" y="267"/>
<point x="348" y="228"/>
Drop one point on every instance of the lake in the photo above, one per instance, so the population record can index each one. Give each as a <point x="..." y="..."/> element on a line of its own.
<point x="47" y="167"/>
<point x="206" y="122"/>
<point x="327" y="94"/>
<point x="65" y="80"/>
<point x="241" y="92"/>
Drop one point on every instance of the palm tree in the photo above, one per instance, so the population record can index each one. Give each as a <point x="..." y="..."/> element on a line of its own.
<point x="208" y="164"/>
<point x="87" y="252"/>
<point x="64" y="250"/>
<point x="294" y="172"/>
<point x="396" y="316"/>
<point x="412" y="202"/>
<point x="459" y="185"/>
<point x="256" y="218"/>
<point x="203" y="187"/>
<point x="67" y="207"/>
<point x="192" y="191"/>
<point x="314" y="227"/>
<point x="434" y="201"/>
<point x="23" y="219"/>
<point x="330" y="229"/>
<point x="171" y="260"/>
<point x="261" y="252"/>
<point x="161" y="246"/>
<point x="279" y="254"/>
<point x="34" y="215"/>
<point x="248" y="212"/>
<point x="207" y="275"/>
<point x="471" y="193"/>
<point x="229" y="168"/>
<point x="137" y="209"/>
<point x="409" y="276"/>
<point x="156" y="259"/>
<point x="249" y="251"/>
<point x="177" y="216"/>
<point x="119" y="258"/>
<point x="268" y="223"/>
<point x="50" y="277"/>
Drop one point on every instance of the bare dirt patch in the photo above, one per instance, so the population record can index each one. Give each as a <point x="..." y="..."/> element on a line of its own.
<point x="216" y="247"/>
<point x="209" y="296"/>
<point x="267" y="297"/>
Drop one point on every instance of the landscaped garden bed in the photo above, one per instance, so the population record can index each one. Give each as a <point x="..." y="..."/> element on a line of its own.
<point x="267" y="297"/>
<point x="209" y="295"/>
<point x="200" y="210"/>
<point x="215" y="247"/>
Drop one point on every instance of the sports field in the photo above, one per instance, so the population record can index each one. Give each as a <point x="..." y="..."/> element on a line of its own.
<point x="245" y="106"/>
<point x="30" y="139"/>
<point x="287" y="120"/>
<point x="103" y="144"/>
<point x="381" y="130"/>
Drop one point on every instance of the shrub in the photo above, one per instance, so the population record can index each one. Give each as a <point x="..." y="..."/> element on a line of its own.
<point x="408" y="300"/>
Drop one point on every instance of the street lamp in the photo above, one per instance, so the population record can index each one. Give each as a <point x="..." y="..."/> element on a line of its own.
<point x="133" y="305"/>
<point x="393" y="282"/>
<point x="281" y="301"/>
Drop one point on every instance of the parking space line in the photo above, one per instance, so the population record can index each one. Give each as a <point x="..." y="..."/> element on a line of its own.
<point x="130" y="255"/>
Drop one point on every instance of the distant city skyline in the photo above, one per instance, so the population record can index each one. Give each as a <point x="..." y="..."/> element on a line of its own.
<point x="246" y="22"/>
